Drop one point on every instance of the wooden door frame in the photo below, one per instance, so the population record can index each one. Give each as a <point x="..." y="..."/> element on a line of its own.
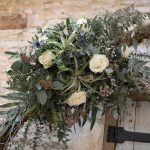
<point x="109" y="120"/>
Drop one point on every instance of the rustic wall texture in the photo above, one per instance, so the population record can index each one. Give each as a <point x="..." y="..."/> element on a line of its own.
<point x="18" y="22"/>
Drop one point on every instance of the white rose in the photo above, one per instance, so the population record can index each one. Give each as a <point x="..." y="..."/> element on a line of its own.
<point x="77" y="98"/>
<point x="46" y="59"/>
<point x="98" y="63"/>
<point x="125" y="53"/>
<point x="81" y="21"/>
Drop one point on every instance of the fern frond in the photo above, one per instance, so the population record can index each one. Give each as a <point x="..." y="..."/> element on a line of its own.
<point x="140" y="57"/>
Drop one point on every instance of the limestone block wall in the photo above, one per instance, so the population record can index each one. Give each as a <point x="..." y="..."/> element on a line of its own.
<point x="18" y="22"/>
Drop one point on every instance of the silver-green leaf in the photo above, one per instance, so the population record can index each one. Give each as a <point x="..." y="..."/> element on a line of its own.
<point x="42" y="97"/>
<point x="58" y="85"/>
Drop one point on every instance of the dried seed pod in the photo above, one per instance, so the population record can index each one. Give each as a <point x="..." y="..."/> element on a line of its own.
<point x="105" y="91"/>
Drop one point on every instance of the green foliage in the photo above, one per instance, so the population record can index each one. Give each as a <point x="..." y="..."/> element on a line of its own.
<point x="41" y="97"/>
<point x="13" y="54"/>
<point x="17" y="66"/>
<point x="58" y="85"/>
<point x="93" y="117"/>
<point x="74" y="44"/>
<point x="13" y="96"/>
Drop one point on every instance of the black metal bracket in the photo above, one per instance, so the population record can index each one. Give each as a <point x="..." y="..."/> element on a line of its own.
<point x="120" y="135"/>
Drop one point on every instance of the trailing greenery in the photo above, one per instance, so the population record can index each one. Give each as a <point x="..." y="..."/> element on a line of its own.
<point x="72" y="67"/>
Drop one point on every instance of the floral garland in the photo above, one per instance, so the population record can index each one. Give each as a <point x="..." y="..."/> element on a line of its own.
<point x="71" y="68"/>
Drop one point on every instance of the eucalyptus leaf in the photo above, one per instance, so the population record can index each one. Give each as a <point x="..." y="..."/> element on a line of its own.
<point x="129" y="101"/>
<point x="11" y="53"/>
<point x="93" y="117"/>
<point x="41" y="97"/>
<point x="84" y="121"/>
<point x="17" y="66"/>
<point x="120" y="76"/>
<point x="121" y="97"/>
<point x="33" y="99"/>
<point x="58" y="85"/>
<point x="26" y="68"/>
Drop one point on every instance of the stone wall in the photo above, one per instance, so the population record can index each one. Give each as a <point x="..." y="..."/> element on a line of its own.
<point x="18" y="22"/>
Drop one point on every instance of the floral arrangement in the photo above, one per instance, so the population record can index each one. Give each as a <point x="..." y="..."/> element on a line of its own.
<point x="71" y="68"/>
